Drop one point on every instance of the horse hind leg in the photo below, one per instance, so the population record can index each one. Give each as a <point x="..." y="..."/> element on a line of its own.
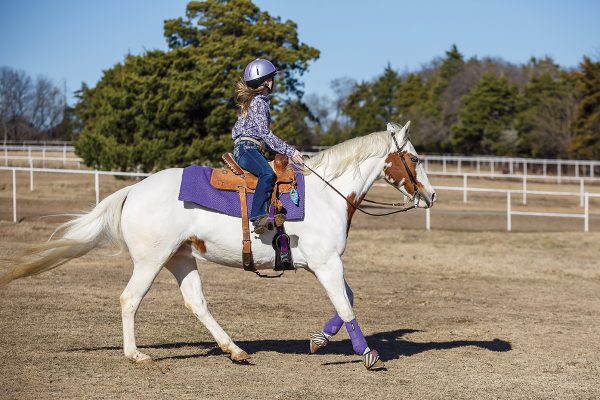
<point x="137" y="287"/>
<point x="183" y="266"/>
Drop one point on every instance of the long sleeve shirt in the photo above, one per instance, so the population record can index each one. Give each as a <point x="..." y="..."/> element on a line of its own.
<point x="257" y="125"/>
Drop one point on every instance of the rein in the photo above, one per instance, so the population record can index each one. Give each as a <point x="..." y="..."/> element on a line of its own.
<point x="367" y="200"/>
<point x="416" y="196"/>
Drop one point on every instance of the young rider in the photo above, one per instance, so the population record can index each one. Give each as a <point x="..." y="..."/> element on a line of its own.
<point x="251" y="133"/>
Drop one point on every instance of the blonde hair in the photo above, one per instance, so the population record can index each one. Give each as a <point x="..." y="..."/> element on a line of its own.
<point x="243" y="95"/>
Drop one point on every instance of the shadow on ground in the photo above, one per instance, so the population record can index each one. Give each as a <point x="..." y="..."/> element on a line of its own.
<point x="391" y="345"/>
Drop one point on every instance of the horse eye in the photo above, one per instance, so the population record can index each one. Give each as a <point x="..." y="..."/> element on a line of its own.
<point x="415" y="160"/>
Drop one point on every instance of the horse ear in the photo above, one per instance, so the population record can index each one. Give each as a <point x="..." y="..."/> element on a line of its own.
<point x="407" y="130"/>
<point x="393" y="127"/>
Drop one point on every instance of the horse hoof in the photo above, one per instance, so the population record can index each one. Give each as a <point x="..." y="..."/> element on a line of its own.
<point x="240" y="357"/>
<point x="318" y="340"/>
<point x="372" y="361"/>
<point x="140" y="358"/>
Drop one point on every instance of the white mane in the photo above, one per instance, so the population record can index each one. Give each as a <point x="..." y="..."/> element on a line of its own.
<point x="348" y="155"/>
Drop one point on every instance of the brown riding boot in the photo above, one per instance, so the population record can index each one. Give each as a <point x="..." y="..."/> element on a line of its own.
<point x="261" y="225"/>
<point x="279" y="219"/>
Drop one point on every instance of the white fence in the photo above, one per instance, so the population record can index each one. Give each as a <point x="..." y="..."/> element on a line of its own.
<point x="495" y="165"/>
<point x="525" y="179"/>
<point x="31" y="171"/>
<point x="63" y="150"/>
<point x="585" y="215"/>
<point x="584" y="196"/>
<point x="499" y="165"/>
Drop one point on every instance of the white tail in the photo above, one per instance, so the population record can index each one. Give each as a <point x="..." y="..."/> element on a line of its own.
<point x="81" y="234"/>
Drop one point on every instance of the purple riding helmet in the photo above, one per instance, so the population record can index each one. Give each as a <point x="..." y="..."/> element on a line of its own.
<point x="259" y="71"/>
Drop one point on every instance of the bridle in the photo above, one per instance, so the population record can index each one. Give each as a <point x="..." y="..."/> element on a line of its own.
<point x="416" y="196"/>
<point x="416" y="192"/>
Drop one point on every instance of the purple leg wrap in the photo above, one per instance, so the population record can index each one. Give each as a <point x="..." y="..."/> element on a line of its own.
<point x="359" y="344"/>
<point x="333" y="325"/>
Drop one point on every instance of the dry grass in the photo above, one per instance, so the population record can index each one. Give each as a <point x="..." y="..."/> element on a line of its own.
<point x="455" y="314"/>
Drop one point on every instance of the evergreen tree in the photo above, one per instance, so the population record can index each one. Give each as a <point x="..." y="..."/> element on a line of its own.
<point x="295" y="124"/>
<point x="371" y="106"/>
<point x="172" y="108"/>
<point x="486" y="118"/>
<point x="545" y="123"/>
<point x="586" y="143"/>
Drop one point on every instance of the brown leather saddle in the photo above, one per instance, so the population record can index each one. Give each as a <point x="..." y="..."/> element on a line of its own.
<point x="234" y="178"/>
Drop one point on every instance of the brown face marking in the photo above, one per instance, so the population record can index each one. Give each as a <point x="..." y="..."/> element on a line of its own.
<point x="198" y="244"/>
<point x="350" y="210"/>
<point x="395" y="170"/>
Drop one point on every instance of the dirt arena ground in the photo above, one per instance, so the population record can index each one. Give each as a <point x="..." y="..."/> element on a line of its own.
<point x="463" y="311"/>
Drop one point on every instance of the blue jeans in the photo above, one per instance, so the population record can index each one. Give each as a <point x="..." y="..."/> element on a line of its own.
<point x="248" y="156"/>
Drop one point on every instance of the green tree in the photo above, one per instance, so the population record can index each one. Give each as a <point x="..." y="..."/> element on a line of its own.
<point x="173" y="108"/>
<point x="586" y="143"/>
<point x="486" y="118"/>
<point x="548" y="110"/>
<point x="371" y="106"/>
<point x="295" y="124"/>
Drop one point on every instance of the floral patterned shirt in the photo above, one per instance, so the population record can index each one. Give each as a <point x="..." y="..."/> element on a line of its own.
<point x="257" y="126"/>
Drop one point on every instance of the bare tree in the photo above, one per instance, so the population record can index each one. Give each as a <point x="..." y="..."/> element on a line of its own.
<point x="47" y="104"/>
<point x="342" y="87"/>
<point x="28" y="110"/>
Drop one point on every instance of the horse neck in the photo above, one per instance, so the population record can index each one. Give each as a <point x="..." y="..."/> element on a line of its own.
<point x="353" y="184"/>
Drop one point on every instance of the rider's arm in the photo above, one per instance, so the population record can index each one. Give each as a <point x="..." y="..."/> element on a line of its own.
<point x="260" y="113"/>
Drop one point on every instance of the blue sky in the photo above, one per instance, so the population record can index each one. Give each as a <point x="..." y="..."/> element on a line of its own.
<point x="74" y="41"/>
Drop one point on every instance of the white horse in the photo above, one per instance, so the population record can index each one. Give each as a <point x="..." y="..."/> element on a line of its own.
<point x="161" y="231"/>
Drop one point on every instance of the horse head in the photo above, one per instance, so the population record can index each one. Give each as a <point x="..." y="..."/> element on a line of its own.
<point x="404" y="170"/>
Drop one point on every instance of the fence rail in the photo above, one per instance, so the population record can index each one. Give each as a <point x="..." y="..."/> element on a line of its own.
<point x="31" y="171"/>
<point x="585" y="196"/>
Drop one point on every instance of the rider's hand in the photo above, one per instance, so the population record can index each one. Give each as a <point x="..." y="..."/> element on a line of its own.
<point x="297" y="157"/>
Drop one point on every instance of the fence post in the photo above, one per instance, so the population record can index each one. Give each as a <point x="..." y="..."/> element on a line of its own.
<point x="29" y="155"/>
<point x="428" y="219"/>
<point x="576" y="169"/>
<point x="444" y="163"/>
<point x="14" y="190"/>
<point x="64" y="154"/>
<point x="525" y="189"/>
<point x="5" y="156"/>
<point x="30" y="175"/>
<point x="44" y="156"/>
<point x="511" y="168"/>
<point x="558" y="171"/>
<point x="586" y="213"/>
<point x="97" y="185"/>
<point x="478" y="165"/>
<point x="465" y="188"/>
<point x="508" y="212"/>
<point x="544" y="167"/>
<point x="459" y="165"/>
<point x="581" y="190"/>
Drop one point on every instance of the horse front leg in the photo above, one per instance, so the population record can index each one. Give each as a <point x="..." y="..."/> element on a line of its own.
<point x="320" y="339"/>
<point x="331" y="277"/>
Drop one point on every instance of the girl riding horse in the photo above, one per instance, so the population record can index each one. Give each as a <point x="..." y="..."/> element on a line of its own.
<point x="252" y="132"/>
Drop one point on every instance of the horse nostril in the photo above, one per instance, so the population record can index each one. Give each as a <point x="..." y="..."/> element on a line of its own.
<point x="433" y="197"/>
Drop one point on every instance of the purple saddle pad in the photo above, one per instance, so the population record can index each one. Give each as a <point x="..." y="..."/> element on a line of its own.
<point x="196" y="188"/>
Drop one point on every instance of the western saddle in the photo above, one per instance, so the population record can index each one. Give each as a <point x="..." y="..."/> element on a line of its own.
<point x="234" y="178"/>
